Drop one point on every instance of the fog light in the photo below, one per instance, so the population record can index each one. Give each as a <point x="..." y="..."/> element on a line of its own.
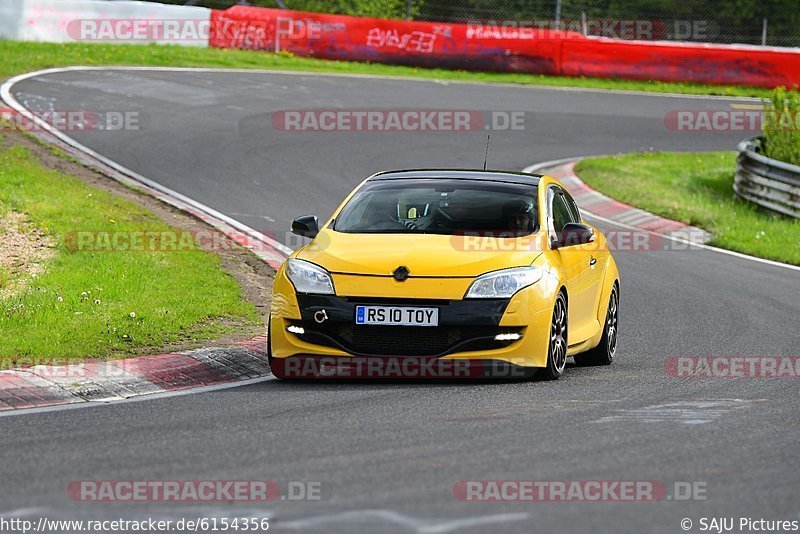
<point x="512" y="336"/>
<point x="299" y="330"/>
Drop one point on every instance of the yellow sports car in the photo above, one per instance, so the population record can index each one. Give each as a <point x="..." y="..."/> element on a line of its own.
<point x="430" y="273"/>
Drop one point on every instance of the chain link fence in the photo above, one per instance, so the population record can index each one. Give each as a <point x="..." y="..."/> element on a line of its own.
<point x="754" y="22"/>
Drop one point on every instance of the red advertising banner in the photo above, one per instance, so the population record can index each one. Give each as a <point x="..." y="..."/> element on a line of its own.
<point x="682" y="62"/>
<point x="502" y="48"/>
<point x="462" y="46"/>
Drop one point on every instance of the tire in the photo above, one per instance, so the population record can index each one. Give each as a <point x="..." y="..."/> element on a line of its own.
<point x="557" y="347"/>
<point x="603" y="353"/>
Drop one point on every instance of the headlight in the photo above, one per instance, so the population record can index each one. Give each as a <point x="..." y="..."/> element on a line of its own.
<point x="503" y="284"/>
<point x="309" y="278"/>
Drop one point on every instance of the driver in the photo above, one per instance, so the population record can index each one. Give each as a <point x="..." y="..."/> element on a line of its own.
<point x="518" y="216"/>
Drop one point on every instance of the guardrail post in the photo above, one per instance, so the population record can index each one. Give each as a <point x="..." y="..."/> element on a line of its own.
<point x="557" y="20"/>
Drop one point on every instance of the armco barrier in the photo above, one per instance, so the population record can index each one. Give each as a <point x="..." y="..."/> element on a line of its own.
<point x="476" y="47"/>
<point x="388" y="41"/>
<point x="768" y="182"/>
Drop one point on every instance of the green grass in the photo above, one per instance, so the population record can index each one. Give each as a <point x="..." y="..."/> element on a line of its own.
<point x="5" y="278"/>
<point x="175" y="296"/>
<point x="781" y="131"/>
<point x="19" y="57"/>
<point x="696" y="189"/>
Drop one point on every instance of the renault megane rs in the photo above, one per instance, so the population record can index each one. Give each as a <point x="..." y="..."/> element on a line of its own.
<point x="478" y="267"/>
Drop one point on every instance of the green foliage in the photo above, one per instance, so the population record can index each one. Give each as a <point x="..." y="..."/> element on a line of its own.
<point x="781" y="126"/>
<point x="385" y="9"/>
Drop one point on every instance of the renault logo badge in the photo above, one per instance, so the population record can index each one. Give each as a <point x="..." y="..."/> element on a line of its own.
<point x="401" y="273"/>
<point x="320" y="316"/>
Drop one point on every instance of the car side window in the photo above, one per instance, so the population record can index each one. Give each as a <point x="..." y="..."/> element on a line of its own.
<point x="561" y="212"/>
<point x="573" y="208"/>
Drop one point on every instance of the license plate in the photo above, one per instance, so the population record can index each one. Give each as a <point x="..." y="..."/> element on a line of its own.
<point x="397" y="315"/>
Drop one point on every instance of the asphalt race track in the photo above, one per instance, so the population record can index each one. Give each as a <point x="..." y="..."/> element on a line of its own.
<point x="388" y="454"/>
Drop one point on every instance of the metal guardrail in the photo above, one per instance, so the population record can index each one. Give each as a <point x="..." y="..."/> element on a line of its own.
<point x="765" y="181"/>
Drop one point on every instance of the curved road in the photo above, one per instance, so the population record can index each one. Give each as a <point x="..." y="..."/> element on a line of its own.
<point x="388" y="455"/>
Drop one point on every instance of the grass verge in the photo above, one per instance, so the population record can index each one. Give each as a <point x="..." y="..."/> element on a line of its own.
<point x="19" y="57"/>
<point x="108" y="303"/>
<point x="697" y="189"/>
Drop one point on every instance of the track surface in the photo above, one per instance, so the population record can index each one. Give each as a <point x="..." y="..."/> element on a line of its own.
<point x="388" y="455"/>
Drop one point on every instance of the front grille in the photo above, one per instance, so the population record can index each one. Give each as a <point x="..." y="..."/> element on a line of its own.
<point x="402" y="340"/>
<point x="382" y="340"/>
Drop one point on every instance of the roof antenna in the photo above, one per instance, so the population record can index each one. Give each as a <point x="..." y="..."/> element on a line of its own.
<point x="486" y="157"/>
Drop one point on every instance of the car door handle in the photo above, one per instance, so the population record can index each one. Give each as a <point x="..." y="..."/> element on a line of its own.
<point x="592" y="262"/>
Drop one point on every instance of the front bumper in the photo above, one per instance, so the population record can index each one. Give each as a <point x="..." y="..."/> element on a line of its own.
<point x="463" y="326"/>
<point x="467" y="329"/>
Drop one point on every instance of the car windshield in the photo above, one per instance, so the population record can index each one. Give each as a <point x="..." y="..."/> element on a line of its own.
<point x="441" y="206"/>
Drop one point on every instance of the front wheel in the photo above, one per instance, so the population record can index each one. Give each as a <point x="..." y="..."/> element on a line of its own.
<point x="557" y="348"/>
<point x="603" y="354"/>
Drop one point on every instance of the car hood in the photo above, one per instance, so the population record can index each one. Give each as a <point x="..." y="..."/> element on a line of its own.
<point x="422" y="254"/>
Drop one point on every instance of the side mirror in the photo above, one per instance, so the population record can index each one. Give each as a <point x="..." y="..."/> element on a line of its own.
<point x="574" y="234"/>
<point x="306" y="226"/>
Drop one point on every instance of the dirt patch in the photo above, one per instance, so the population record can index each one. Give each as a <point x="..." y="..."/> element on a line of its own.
<point x="254" y="276"/>
<point x="24" y="249"/>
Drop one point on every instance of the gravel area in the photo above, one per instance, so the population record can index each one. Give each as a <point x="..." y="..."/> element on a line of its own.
<point x="24" y="250"/>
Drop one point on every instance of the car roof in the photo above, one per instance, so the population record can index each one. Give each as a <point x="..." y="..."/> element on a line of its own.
<point x="511" y="177"/>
